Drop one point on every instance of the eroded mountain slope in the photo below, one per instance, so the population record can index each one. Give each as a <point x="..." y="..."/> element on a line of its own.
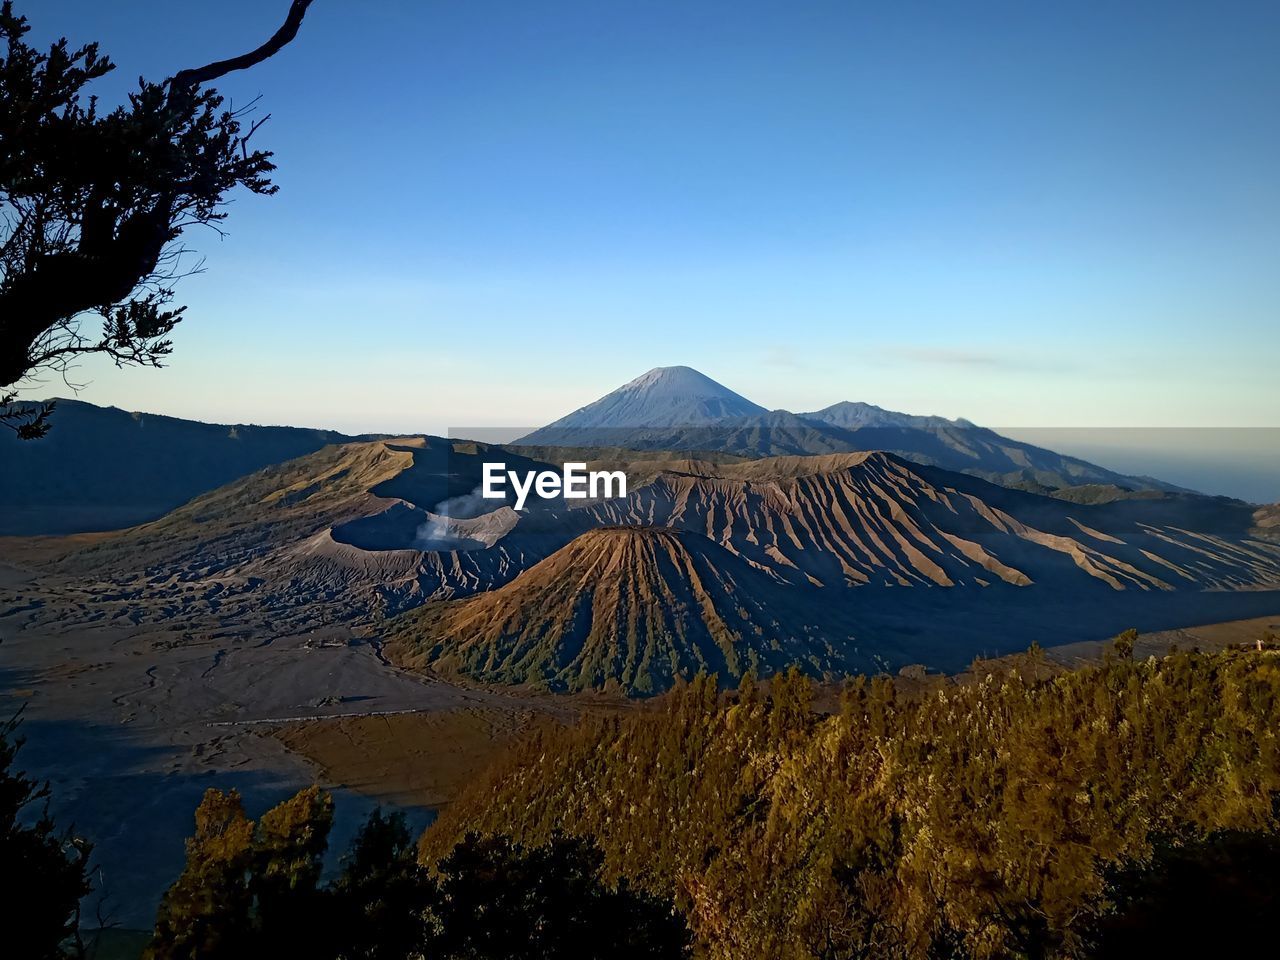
<point x="821" y="560"/>
<point x="629" y="607"/>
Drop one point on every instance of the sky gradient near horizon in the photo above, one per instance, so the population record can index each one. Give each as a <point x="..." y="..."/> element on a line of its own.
<point x="493" y="213"/>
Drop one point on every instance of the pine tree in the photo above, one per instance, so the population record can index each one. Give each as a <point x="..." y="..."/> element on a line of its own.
<point x="248" y="890"/>
<point x="207" y="911"/>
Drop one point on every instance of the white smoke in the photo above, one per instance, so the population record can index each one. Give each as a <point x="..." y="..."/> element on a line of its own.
<point x="438" y="533"/>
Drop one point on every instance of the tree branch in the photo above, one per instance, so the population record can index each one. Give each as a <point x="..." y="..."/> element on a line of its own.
<point x="188" y="79"/>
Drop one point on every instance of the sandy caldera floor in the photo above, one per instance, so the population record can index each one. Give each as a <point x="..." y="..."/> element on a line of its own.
<point x="131" y="722"/>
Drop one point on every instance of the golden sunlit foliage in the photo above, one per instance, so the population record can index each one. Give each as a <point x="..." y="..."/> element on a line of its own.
<point x="991" y="816"/>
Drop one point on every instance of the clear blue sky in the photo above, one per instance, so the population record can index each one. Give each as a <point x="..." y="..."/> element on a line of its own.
<point x="1048" y="214"/>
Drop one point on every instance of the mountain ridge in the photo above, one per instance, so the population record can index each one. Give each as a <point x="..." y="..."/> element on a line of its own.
<point x="854" y="413"/>
<point x="837" y="560"/>
<point x="104" y="468"/>
<point x="844" y="426"/>
<point x="663" y="396"/>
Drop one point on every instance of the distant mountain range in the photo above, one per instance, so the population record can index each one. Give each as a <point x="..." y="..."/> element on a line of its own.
<point x="831" y="557"/>
<point x="102" y="468"/>
<point x="680" y="409"/>
<point x="850" y="415"/>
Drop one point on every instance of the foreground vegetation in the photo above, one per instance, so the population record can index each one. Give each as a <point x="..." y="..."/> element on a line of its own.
<point x="1019" y="812"/>
<point x="1124" y="809"/>
<point x="46" y="870"/>
<point x="254" y="890"/>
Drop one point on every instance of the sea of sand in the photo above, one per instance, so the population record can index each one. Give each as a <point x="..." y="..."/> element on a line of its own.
<point x="130" y="724"/>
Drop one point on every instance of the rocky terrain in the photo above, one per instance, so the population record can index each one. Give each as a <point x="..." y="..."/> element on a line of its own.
<point x="837" y="563"/>
<point x="1267" y="520"/>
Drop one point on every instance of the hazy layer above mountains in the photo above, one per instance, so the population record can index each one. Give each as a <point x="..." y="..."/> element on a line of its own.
<point x="1241" y="462"/>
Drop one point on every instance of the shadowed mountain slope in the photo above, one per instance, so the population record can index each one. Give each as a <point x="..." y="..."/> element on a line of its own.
<point x="101" y="468"/>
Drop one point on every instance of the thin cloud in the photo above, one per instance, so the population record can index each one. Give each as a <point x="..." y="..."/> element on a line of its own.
<point x="948" y="356"/>
<point x="780" y="356"/>
<point x="973" y="359"/>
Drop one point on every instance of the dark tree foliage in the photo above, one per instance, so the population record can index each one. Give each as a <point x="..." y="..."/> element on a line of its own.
<point x="1018" y="811"/>
<point x="501" y="901"/>
<point x="253" y="890"/>
<point x="381" y="902"/>
<point x="248" y="889"/>
<point x="1217" y="896"/>
<point x="92" y="204"/>
<point x="45" y="871"/>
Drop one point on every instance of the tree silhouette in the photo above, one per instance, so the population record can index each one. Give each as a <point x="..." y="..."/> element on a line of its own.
<point x="248" y="889"/>
<point x="380" y="905"/>
<point x="499" y="900"/>
<point x="45" y="871"/>
<point x="92" y="205"/>
<point x="253" y="890"/>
